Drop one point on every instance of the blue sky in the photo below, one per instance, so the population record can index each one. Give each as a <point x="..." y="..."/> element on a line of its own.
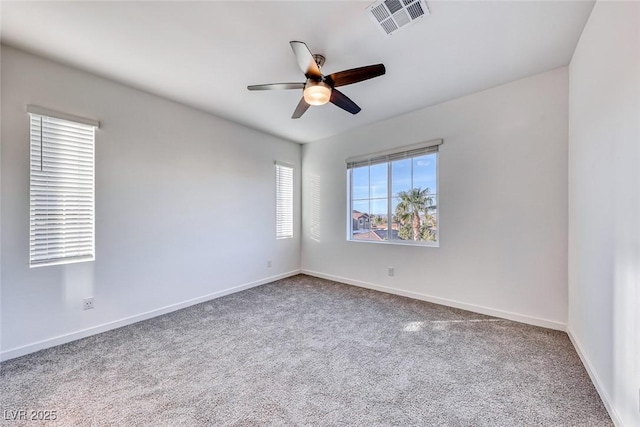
<point x="406" y="174"/>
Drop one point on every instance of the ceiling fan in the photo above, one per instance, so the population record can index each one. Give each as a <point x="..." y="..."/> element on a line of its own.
<point x="320" y="89"/>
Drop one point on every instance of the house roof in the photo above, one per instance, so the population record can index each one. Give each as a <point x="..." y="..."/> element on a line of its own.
<point x="369" y="235"/>
<point x="358" y="215"/>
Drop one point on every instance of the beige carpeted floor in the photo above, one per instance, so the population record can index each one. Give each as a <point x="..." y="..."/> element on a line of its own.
<point x="306" y="351"/>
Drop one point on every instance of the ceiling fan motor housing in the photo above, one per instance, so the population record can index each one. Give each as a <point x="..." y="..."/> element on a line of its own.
<point x="319" y="60"/>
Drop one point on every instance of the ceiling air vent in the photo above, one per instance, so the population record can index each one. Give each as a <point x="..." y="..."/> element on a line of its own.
<point x="392" y="15"/>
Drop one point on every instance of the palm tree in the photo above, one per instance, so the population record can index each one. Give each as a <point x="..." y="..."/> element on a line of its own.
<point x="411" y="204"/>
<point x="427" y="231"/>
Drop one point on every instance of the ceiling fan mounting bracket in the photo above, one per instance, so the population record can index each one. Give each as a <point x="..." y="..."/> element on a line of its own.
<point x="319" y="60"/>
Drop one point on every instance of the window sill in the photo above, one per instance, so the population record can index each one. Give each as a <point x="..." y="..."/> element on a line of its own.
<point x="398" y="243"/>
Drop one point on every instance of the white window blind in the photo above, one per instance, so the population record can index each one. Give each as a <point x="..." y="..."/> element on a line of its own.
<point x="396" y="154"/>
<point x="284" y="201"/>
<point x="61" y="189"/>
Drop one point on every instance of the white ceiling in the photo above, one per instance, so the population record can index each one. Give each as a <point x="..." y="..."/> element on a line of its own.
<point x="204" y="54"/>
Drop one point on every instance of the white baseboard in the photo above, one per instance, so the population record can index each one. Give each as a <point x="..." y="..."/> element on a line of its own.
<point x="595" y="379"/>
<point x="62" y="339"/>
<point x="551" y="324"/>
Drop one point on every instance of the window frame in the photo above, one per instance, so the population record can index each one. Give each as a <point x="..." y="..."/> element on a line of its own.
<point x="80" y="248"/>
<point x="289" y="204"/>
<point x="430" y="147"/>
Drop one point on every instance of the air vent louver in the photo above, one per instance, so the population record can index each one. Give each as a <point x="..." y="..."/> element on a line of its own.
<point x="380" y="12"/>
<point x="393" y="15"/>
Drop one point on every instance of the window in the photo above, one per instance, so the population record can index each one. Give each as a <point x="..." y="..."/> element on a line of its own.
<point x="284" y="201"/>
<point x="61" y="211"/>
<point x="393" y="196"/>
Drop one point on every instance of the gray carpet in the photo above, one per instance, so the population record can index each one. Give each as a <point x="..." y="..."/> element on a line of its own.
<point x="306" y="351"/>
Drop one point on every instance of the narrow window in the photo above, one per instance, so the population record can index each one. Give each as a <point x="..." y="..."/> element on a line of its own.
<point x="61" y="208"/>
<point x="393" y="196"/>
<point x="284" y="201"/>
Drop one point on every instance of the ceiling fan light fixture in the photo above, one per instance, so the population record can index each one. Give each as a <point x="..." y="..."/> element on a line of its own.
<point x="317" y="93"/>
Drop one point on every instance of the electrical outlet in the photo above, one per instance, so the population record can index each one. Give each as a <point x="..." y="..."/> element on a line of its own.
<point x="269" y="263"/>
<point x="87" y="303"/>
<point x="390" y="271"/>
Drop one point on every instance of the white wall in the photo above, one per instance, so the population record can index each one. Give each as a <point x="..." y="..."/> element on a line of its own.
<point x="502" y="204"/>
<point x="185" y="207"/>
<point x="604" y="204"/>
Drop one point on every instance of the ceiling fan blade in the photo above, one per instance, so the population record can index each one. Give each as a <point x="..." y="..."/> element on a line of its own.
<point x="273" y="86"/>
<point x="305" y="60"/>
<point x="300" y="109"/>
<point x="341" y="100"/>
<point x="356" y="75"/>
